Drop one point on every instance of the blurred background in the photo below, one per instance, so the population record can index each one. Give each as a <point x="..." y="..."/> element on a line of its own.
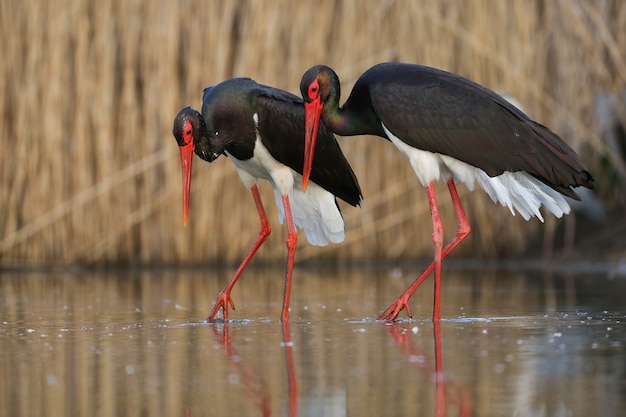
<point x="90" y="172"/>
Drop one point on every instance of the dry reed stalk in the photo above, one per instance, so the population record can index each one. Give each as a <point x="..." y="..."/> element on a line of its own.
<point x="88" y="92"/>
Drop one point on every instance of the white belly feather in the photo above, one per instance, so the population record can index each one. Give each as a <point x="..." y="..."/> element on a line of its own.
<point x="314" y="211"/>
<point x="516" y="190"/>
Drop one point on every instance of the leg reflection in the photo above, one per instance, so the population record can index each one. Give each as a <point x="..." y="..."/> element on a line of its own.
<point x="447" y="392"/>
<point x="291" y="374"/>
<point x="254" y="386"/>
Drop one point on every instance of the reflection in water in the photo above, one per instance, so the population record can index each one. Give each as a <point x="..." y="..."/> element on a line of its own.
<point x="136" y="344"/>
<point x="446" y="390"/>
<point x="254" y="386"/>
<point x="291" y="375"/>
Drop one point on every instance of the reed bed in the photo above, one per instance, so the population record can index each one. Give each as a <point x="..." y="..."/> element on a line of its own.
<point x="88" y="92"/>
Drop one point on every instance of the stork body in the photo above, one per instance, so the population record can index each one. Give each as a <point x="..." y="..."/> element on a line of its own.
<point x="261" y="130"/>
<point x="450" y="129"/>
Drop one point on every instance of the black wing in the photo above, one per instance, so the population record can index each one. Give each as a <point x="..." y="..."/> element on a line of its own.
<point x="445" y="113"/>
<point x="281" y="115"/>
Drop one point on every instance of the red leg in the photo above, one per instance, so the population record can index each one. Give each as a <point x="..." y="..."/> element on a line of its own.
<point x="463" y="229"/>
<point x="292" y="238"/>
<point x="224" y="299"/>
<point x="438" y="243"/>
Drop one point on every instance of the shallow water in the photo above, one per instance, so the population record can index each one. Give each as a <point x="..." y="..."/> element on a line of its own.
<point x="135" y="344"/>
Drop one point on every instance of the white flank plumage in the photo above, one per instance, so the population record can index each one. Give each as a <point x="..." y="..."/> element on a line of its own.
<point x="516" y="190"/>
<point x="314" y="211"/>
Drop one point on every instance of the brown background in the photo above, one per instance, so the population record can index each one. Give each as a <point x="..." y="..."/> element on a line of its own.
<point x="88" y="91"/>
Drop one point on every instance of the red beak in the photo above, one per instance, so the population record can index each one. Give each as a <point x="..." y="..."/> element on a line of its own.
<point x="186" y="158"/>
<point x="312" y="114"/>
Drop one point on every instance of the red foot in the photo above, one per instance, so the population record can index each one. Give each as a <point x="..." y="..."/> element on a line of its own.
<point x="394" y="310"/>
<point x="223" y="300"/>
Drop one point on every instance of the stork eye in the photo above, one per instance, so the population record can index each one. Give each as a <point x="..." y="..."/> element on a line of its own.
<point x="187" y="127"/>
<point x="314" y="89"/>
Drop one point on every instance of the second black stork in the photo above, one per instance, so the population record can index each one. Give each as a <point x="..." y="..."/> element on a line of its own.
<point x="261" y="130"/>
<point x="451" y="129"/>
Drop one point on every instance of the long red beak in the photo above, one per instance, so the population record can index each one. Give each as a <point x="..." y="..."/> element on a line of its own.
<point x="312" y="114"/>
<point x="186" y="158"/>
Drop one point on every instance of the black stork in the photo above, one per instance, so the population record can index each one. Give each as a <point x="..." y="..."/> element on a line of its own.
<point x="261" y="130"/>
<point x="451" y="129"/>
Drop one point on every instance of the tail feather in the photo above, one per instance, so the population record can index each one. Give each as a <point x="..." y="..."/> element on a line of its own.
<point x="522" y="192"/>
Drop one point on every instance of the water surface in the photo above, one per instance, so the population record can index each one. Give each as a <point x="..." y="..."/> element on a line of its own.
<point x="136" y="344"/>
